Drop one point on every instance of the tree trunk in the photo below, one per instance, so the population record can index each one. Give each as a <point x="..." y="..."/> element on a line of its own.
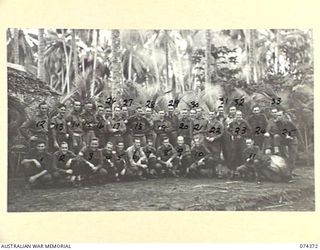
<point x="116" y="60"/>
<point x="208" y="56"/>
<point x="130" y="66"/>
<point x="75" y="54"/>
<point x="41" y="70"/>
<point x="167" y="60"/>
<point x="94" y="63"/>
<point x="251" y="57"/>
<point x="16" y="46"/>
<point x="276" y="53"/>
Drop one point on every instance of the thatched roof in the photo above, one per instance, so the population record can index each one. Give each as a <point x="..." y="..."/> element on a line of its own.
<point x="22" y="82"/>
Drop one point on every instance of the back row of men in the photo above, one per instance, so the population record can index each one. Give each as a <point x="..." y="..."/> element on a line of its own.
<point x="215" y="138"/>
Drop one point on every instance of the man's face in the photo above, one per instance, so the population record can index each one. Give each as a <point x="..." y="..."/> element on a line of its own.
<point x="77" y="106"/>
<point x="184" y="114"/>
<point x="94" y="144"/>
<point x="43" y="108"/>
<point x="166" y="143"/>
<point x="117" y="112"/>
<point x="62" y="110"/>
<point x="197" y="143"/>
<point x="64" y="148"/>
<point x="256" y="110"/>
<point x="274" y="113"/>
<point x="199" y="113"/>
<point x="148" y="112"/>
<point x="139" y="112"/>
<point x="211" y="115"/>
<point x="238" y="116"/>
<point x="108" y="111"/>
<point x="170" y="110"/>
<point x="221" y="111"/>
<point x="232" y="111"/>
<point x="101" y="111"/>
<point x="125" y="111"/>
<point x="150" y="143"/>
<point x="109" y="147"/>
<point x="137" y="143"/>
<point x="120" y="146"/>
<point x="89" y="107"/>
<point x="161" y="115"/>
<point x="193" y="114"/>
<point x="41" y="147"/>
<point x="279" y="116"/>
<point x="180" y="141"/>
<point x="249" y="143"/>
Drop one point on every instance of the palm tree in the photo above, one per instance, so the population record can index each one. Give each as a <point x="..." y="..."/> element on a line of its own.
<point x="75" y="53"/>
<point x="41" y="69"/>
<point x="208" y="56"/>
<point x="16" y="46"/>
<point x="96" y="45"/>
<point x="116" y="61"/>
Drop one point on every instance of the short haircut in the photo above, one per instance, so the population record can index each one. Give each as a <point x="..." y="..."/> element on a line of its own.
<point x="180" y="137"/>
<point x="42" y="103"/>
<point x="94" y="139"/>
<point x="165" y="138"/>
<point x="64" y="142"/>
<point x="120" y="142"/>
<point x="61" y="105"/>
<point x="109" y="143"/>
<point x="136" y="139"/>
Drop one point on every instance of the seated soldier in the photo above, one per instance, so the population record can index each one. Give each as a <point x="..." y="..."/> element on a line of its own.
<point x="183" y="156"/>
<point x="167" y="161"/>
<point x="62" y="160"/>
<point x="203" y="163"/>
<point x="151" y="154"/>
<point x="137" y="159"/>
<point x="252" y="159"/>
<point x="36" y="165"/>
<point x="90" y="162"/>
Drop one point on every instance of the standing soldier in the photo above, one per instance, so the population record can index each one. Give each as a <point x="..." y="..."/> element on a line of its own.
<point x="59" y="127"/>
<point x="125" y="116"/>
<point x="101" y="127"/>
<point x="214" y="139"/>
<point x="221" y="117"/>
<point x="116" y="127"/>
<point x="184" y="127"/>
<point x="231" y="115"/>
<point x="162" y="128"/>
<point x="199" y="126"/>
<point x="173" y="118"/>
<point x="258" y="123"/>
<point x="238" y="129"/>
<point x="149" y="116"/>
<point x="138" y="126"/>
<point x="74" y="122"/>
<point x="89" y="122"/>
<point x="193" y="114"/>
<point x="36" y="128"/>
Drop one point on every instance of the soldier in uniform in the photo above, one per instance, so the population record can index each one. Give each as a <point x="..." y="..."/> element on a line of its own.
<point x="137" y="160"/>
<point x="173" y="119"/>
<point x="214" y="139"/>
<point x="121" y="161"/>
<point x="272" y="136"/>
<point x="162" y="128"/>
<point x="89" y="122"/>
<point x="258" y="123"/>
<point x="238" y="129"/>
<point x="167" y="160"/>
<point x="138" y="126"/>
<point x="101" y="126"/>
<point x="126" y="136"/>
<point x="193" y="114"/>
<point x="36" y="128"/>
<point x="59" y="127"/>
<point x="109" y="160"/>
<point x="183" y="156"/>
<point x="202" y="161"/>
<point x="184" y="127"/>
<point x="37" y="165"/>
<point x="221" y="115"/>
<point x="199" y="126"/>
<point x="149" y="117"/>
<point x="116" y="127"/>
<point x="74" y="122"/>
<point x="151" y="154"/>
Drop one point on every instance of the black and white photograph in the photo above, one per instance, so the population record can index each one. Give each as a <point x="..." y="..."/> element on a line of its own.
<point x="160" y="120"/>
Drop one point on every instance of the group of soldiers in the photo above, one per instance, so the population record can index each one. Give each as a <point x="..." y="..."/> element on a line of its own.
<point x="101" y="143"/>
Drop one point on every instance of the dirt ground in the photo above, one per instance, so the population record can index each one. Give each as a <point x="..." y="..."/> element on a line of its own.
<point x="169" y="194"/>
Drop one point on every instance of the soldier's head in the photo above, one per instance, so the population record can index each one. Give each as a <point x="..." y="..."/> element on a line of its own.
<point x="124" y="110"/>
<point x="150" y="142"/>
<point x="170" y="109"/>
<point x="94" y="143"/>
<point x="238" y="115"/>
<point x="199" y="112"/>
<point x="256" y="110"/>
<point x="180" y="140"/>
<point x="280" y="116"/>
<point x="148" y="112"/>
<point x="88" y="106"/>
<point x="220" y="111"/>
<point x="108" y="111"/>
<point x="193" y="114"/>
<point x="77" y="105"/>
<point x="139" y="112"/>
<point x="62" y="108"/>
<point x="232" y="111"/>
<point x="196" y="142"/>
<point x="64" y="147"/>
<point x="109" y="147"/>
<point x="165" y="141"/>
<point x="117" y="112"/>
<point x="137" y="142"/>
<point x="41" y="146"/>
<point x="43" y="108"/>
<point x="274" y="112"/>
<point x="100" y="110"/>
<point x="161" y="114"/>
<point x="212" y="115"/>
<point x="120" y="145"/>
<point x="184" y="113"/>
<point x="249" y="142"/>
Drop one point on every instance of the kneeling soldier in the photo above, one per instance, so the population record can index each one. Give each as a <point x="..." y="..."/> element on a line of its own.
<point x="137" y="160"/>
<point x="151" y="154"/>
<point x="167" y="161"/>
<point x="183" y="156"/>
